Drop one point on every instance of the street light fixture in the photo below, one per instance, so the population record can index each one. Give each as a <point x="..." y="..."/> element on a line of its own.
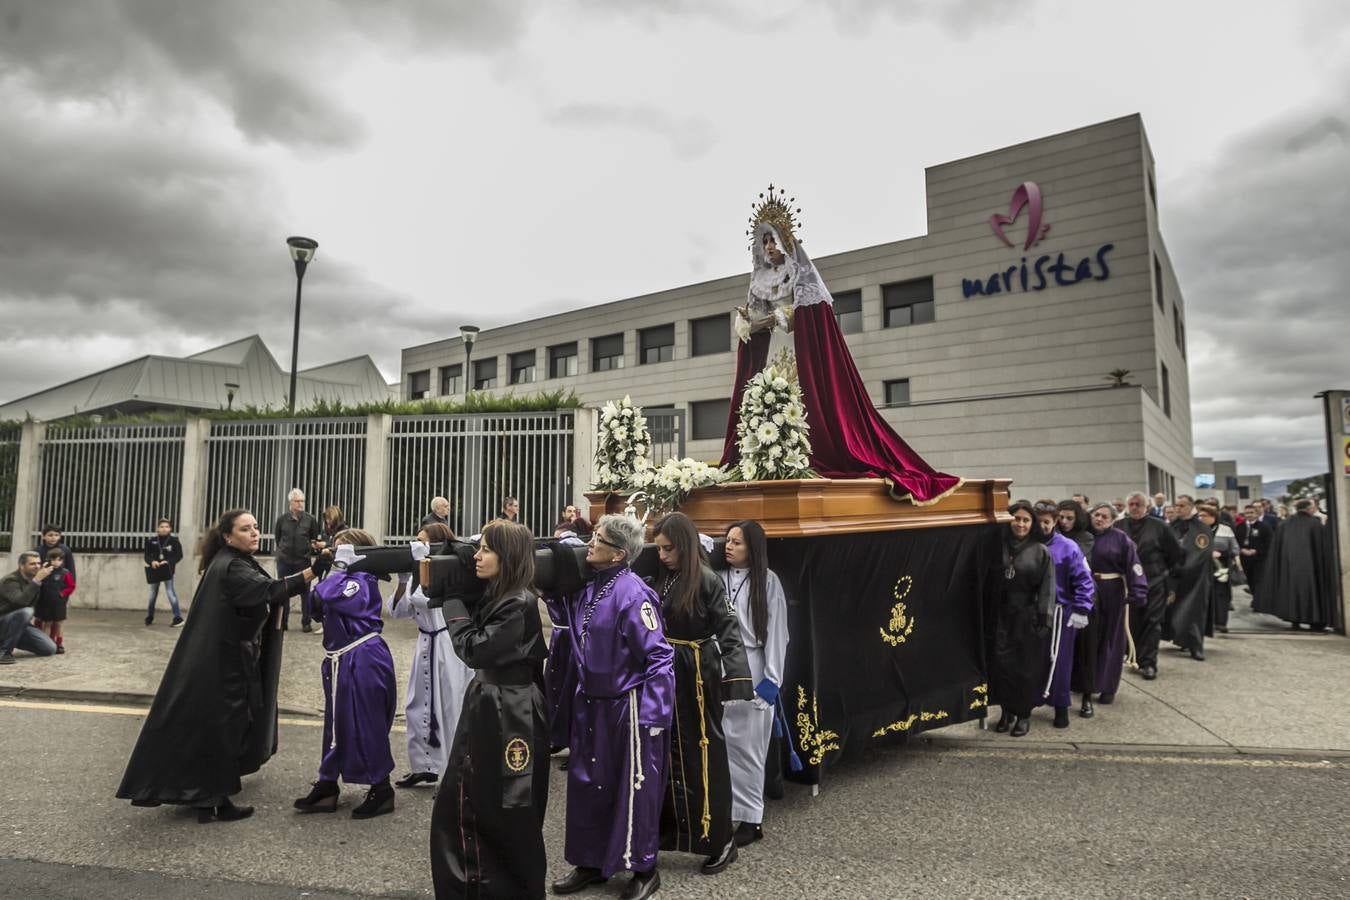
<point x="302" y="253"/>
<point x="468" y="334"/>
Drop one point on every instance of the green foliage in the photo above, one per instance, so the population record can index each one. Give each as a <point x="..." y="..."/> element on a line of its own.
<point x="1117" y="377"/>
<point x="1312" y="486"/>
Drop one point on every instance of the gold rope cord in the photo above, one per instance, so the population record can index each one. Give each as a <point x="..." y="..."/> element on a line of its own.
<point x="702" y="729"/>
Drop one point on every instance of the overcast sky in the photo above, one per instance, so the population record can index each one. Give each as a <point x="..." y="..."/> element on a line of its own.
<point x="489" y="162"/>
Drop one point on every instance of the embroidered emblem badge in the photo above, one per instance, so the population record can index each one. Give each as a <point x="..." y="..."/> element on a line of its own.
<point x="350" y="588"/>
<point x="517" y="754"/>
<point x="648" y="616"/>
<point x="1201" y="541"/>
<point x="1138" y="569"/>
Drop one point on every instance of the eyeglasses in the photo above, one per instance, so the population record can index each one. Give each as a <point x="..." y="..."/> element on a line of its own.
<point x="597" y="537"/>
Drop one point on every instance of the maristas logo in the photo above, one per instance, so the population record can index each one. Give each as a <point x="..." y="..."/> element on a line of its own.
<point x="1038" y="275"/>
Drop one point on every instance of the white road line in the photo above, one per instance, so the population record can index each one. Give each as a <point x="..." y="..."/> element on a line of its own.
<point x="99" y="709"/>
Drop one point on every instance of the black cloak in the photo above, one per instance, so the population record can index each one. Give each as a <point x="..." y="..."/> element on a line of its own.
<point x="214" y="717"/>
<point x="1188" y="620"/>
<point x="1298" y="577"/>
<point x="1017" y="640"/>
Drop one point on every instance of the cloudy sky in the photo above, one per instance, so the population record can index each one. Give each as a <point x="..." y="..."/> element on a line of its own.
<point x="487" y="162"/>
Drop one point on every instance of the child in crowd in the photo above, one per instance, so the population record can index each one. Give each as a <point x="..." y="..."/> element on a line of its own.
<point x="50" y="612"/>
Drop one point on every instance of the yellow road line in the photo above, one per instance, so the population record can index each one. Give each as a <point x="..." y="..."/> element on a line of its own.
<point x="100" y="709"/>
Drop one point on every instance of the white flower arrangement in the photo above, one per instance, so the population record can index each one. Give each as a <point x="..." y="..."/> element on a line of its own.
<point x="772" y="432"/>
<point x="621" y="452"/>
<point x="666" y="487"/>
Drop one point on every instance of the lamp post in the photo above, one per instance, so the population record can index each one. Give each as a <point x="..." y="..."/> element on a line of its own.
<point x="230" y="388"/>
<point x="468" y="334"/>
<point x="302" y="252"/>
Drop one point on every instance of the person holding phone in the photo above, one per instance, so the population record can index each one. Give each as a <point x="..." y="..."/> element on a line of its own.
<point x="18" y="595"/>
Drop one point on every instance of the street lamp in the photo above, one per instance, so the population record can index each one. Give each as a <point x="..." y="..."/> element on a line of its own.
<point x="468" y="334"/>
<point x="302" y="252"/>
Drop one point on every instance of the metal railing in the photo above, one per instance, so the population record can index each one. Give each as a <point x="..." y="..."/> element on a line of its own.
<point x="255" y="464"/>
<point x="106" y="485"/>
<point x="474" y="460"/>
<point x="666" y="426"/>
<point x="10" y="436"/>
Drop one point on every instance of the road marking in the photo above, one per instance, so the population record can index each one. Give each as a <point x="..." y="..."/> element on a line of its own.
<point x="98" y="709"/>
<point x="1150" y="758"/>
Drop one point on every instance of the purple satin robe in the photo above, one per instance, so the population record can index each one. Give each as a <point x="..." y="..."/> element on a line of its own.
<point x="1073" y="593"/>
<point x="1114" y="553"/>
<point x="624" y="677"/>
<point x="362" y="708"/>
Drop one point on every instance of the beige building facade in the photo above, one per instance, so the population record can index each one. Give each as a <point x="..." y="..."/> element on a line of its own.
<point x="987" y="342"/>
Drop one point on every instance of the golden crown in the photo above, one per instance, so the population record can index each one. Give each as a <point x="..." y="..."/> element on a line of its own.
<point x="775" y="208"/>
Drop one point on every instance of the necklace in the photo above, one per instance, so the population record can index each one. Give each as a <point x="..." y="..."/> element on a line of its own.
<point x="668" y="584"/>
<point x="589" y="609"/>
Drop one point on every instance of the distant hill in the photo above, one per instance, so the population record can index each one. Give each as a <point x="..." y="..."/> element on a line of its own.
<point x="1273" y="489"/>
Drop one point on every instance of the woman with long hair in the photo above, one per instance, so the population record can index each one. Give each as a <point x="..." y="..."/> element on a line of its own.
<point x="710" y="669"/>
<point x="359" y="691"/>
<point x="487" y="837"/>
<point x="1021" y="622"/>
<point x="214" y="717"/>
<point x="756" y="595"/>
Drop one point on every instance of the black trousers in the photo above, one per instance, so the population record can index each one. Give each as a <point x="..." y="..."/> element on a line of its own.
<point x="1146" y="623"/>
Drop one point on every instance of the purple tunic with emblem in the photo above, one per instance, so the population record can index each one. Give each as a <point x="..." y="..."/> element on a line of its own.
<point x="358" y="681"/>
<point x="1073" y="593"/>
<point x="1120" y="580"/>
<point x="625" y="688"/>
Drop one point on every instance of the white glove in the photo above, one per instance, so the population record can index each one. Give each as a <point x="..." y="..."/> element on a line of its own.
<point x="420" y="550"/>
<point x="761" y="703"/>
<point x="742" y="327"/>
<point x="656" y="732"/>
<point x="1078" y="620"/>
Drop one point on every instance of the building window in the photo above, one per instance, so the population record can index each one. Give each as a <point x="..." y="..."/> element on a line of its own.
<point x="1152" y="192"/>
<point x="452" y="379"/>
<point x="419" y="385"/>
<point x="1158" y="284"/>
<point x="710" y="335"/>
<point x="1165" y="389"/>
<point x="709" y="419"/>
<point x="1180" y="328"/>
<point x="485" y="374"/>
<point x="656" y="344"/>
<point x="522" y="367"/>
<point x="562" y="360"/>
<point x="848" y="311"/>
<point x="897" y="392"/>
<point x="607" y="353"/>
<point x="908" y="302"/>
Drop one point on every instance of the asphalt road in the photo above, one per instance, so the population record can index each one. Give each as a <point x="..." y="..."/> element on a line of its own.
<point x="961" y="820"/>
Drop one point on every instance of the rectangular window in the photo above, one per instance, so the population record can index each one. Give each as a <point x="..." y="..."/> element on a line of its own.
<point x="656" y="344"/>
<point x="562" y="360"/>
<point x="419" y="385"/>
<point x="452" y="379"/>
<point x="709" y="419"/>
<point x="607" y="353"/>
<point x="522" y="367"/>
<point x="1165" y="390"/>
<point x="1158" y="284"/>
<point x="485" y="374"/>
<point x="710" y="335"/>
<point x="1180" y="330"/>
<point x="897" y="392"/>
<point x="1152" y="192"/>
<point x="848" y="311"/>
<point x="908" y="302"/>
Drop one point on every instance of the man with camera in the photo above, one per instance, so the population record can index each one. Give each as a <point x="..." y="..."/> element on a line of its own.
<point x="18" y="594"/>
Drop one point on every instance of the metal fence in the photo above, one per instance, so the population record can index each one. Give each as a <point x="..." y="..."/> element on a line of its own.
<point x="10" y="434"/>
<point x="106" y="485"/>
<point x="476" y="460"/>
<point x="255" y="464"/>
<point x="666" y="427"/>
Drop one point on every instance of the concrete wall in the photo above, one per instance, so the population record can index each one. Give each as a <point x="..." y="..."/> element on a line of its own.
<point x="117" y="581"/>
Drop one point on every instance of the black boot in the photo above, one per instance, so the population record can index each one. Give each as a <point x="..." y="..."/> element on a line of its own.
<point x="1086" y="711"/>
<point x="1198" y="654"/>
<point x="748" y="833"/>
<point x="1061" y="717"/>
<point x="226" y="812"/>
<point x="379" y="802"/>
<point x="322" y="798"/>
<point x="716" y="863"/>
<point x="643" y="886"/>
<point x="1005" y="722"/>
<point x="1021" y="725"/>
<point x="578" y="879"/>
<point x="1106" y="699"/>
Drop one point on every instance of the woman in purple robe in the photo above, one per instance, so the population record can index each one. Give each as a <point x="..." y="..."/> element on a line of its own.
<point x="619" y="737"/>
<point x="358" y="686"/>
<point x="1073" y="595"/>
<point x="1120" y="581"/>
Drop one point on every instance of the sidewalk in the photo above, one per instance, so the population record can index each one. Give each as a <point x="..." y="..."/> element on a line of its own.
<point x="1262" y="689"/>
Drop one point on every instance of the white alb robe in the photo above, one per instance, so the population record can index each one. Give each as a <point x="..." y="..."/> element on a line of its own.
<point x="444" y="683"/>
<point x="748" y="724"/>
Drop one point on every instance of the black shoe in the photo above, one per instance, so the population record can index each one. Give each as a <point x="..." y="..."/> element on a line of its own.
<point x="1086" y="711"/>
<point x="307" y="628"/>
<point x="149" y="620"/>
<point x="642" y="886"/>
<point x="60" y="648"/>
<point x="379" y="802"/>
<point x="7" y="659"/>
<point x="226" y="812"/>
<point x="1294" y="626"/>
<point x="1061" y="717"/>
<point x="714" y="864"/>
<point x="416" y="778"/>
<point x="746" y="833"/>
<point x="322" y="798"/>
<point x="177" y="622"/>
<point x="1148" y="673"/>
<point x="1197" y="654"/>
<point x="1020" y="727"/>
<point x="1005" y="722"/>
<point x="1106" y="699"/>
<point x="579" y="879"/>
<point x="1223" y="629"/>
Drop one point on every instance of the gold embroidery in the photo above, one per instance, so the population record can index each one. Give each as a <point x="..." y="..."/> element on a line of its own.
<point x="903" y="724"/>
<point x="981" y="701"/>
<point x="815" y="741"/>
<point x="517" y="754"/>
<point x="901" y="626"/>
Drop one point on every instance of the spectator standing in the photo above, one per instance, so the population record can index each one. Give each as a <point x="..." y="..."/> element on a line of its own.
<point x="510" y="509"/>
<point x="1159" y="508"/>
<point x="163" y="553"/>
<point x="50" y="612"/>
<point x="18" y="595"/>
<point x="296" y="535"/>
<point x="439" y="515"/>
<point x="1299" y="580"/>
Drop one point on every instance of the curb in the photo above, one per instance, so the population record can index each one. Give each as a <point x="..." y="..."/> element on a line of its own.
<point x="113" y="698"/>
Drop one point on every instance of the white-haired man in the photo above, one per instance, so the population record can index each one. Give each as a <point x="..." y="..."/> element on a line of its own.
<point x="440" y="513"/>
<point x="1159" y="552"/>
<point x="295" y="534"/>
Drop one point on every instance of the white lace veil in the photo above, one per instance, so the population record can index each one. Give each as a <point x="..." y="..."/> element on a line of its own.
<point x="807" y="287"/>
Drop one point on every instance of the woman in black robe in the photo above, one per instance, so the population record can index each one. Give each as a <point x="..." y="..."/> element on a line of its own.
<point x="710" y="668"/>
<point x="214" y="717"/>
<point x="1021" y="623"/>
<point x="487" y="837"/>
<point x="1189" y="618"/>
<point x="1074" y="525"/>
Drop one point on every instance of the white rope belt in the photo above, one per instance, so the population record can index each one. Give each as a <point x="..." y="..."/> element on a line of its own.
<point x="1057" y="630"/>
<point x="1106" y="576"/>
<point x="635" y="776"/>
<point x="335" y="658"/>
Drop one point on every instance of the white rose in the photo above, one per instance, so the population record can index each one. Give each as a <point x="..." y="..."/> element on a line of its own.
<point x="780" y="383"/>
<point x="769" y="396"/>
<point x="779" y="419"/>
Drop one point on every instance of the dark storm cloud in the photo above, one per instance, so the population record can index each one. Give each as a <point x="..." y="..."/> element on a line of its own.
<point x="1259" y="241"/>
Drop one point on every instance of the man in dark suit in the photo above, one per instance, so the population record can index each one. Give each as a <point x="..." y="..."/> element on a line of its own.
<point x="1253" y="536"/>
<point x="1159" y="508"/>
<point x="1268" y="514"/>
